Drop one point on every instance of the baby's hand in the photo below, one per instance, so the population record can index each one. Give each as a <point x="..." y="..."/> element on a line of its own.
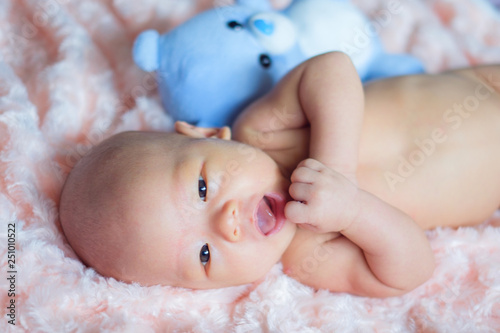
<point x="324" y="200"/>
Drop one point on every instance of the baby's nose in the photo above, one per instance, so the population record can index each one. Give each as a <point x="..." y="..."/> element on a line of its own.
<point x="229" y="221"/>
<point x="275" y="32"/>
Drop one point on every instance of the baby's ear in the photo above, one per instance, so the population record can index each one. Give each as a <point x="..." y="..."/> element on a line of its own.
<point x="184" y="128"/>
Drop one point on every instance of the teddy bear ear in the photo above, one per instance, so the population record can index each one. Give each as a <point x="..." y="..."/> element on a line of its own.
<point x="257" y="4"/>
<point x="145" y="50"/>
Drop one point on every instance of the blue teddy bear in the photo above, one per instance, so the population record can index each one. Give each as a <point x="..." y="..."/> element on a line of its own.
<point x="214" y="65"/>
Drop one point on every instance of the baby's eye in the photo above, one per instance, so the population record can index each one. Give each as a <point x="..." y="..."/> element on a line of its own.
<point x="204" y="255"/>
<point x="202" y="188"/>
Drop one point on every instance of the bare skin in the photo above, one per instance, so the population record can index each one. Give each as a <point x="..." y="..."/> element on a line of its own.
<point x="362" y="171"/>
<point x="428" y="145"/>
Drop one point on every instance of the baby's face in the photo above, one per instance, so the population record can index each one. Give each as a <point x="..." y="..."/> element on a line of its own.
<point x="202" y="213"/>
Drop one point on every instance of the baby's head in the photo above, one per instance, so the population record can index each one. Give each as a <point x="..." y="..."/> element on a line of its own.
<point x="177" y="209"/>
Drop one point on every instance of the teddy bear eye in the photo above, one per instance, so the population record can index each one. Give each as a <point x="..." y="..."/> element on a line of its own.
<point x="265" y="60"/>
<point x="235" y="25"/>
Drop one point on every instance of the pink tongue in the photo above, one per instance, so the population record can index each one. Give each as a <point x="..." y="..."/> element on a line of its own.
<point x="265" y="217"/>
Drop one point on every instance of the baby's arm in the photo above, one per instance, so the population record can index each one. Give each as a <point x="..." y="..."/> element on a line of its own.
<point x="323" y="93"/>
<point x="395" y="257"/>
<point x="382" y="251"/>
<point x="332" y="98"/>
<point x="393" y="246"/>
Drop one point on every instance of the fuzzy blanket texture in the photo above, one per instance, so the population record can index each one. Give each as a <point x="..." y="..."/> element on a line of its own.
<point x="67" y="81"/>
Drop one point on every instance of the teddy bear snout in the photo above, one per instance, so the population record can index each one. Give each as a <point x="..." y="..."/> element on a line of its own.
<point x="275" y="32"/>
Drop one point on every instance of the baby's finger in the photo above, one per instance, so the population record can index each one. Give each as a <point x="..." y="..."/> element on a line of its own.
<point x="312" y="164"/>
<point x="297" y="212"/>
<point x="304" y="175"/>
<point x="300" y="191"/>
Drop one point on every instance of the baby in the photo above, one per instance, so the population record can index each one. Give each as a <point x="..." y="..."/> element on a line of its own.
<point x="335" y="181"/>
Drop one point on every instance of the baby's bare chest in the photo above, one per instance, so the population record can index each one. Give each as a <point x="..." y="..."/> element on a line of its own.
<point x="433" y="150"/>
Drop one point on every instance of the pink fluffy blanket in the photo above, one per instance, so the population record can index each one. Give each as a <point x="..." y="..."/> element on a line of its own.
<point x="67" y="81"/>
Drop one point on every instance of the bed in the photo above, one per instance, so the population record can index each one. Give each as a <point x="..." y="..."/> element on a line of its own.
<point x="67" y="81"/>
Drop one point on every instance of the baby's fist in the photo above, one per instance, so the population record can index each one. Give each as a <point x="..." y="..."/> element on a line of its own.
<point x="324" y="200"/>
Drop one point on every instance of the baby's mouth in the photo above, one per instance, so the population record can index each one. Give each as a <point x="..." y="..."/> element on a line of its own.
<point x="266" y="219"/>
